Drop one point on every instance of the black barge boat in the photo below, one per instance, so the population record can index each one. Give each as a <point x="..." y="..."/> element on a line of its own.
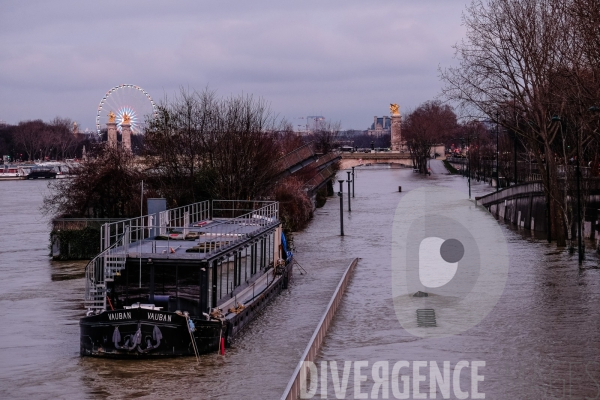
<point x="184" y="281"/>
<point x="38" y="172"/>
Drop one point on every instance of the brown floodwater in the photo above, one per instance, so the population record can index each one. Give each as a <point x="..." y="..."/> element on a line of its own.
<point x="541" y="340"/>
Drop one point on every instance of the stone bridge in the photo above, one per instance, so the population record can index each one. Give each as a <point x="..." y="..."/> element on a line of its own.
<point x="350" y="160"/>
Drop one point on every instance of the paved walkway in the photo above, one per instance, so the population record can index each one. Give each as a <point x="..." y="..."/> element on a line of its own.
<point x="437" y="167"/>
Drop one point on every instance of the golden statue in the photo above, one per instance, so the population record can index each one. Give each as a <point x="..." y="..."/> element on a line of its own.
<point x="111" y="117"/>
<point x="395" y="109"/>
<point x="126" y="119"/>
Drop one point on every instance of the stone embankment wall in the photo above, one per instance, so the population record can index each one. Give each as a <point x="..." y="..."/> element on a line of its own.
<point x="525" y="206"/>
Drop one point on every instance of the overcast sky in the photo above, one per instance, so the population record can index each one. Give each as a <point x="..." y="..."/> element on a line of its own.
<point x="346" y="60"/>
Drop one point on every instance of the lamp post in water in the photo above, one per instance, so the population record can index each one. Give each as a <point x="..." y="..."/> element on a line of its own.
<point x="514" y="124"/>
<point x="557" y="118"/>
<point x="469" y="161"/>
<point x="497" y="151"/>
<point x="341" y="194"/>
<point x="471" y="131"/>
<point x="579" y="230"/>
<point x="462" y="140"/>
<point x="349" y="208"/>
<point x="352" y="181"/>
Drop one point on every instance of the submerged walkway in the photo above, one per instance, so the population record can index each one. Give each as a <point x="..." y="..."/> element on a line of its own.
<point x="437" y="167"/>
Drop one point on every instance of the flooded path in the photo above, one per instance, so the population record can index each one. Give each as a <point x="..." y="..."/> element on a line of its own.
<point x="547" y="317"/>
<point x="541" y="341"/>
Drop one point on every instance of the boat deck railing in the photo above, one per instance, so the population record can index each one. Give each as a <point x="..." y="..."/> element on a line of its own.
<point x="217" y="225"/>
<point x="137" y="227"/>
<point x="238" y="222"/>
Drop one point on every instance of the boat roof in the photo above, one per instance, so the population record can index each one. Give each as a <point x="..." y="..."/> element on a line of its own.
<point x="194" y="232"/>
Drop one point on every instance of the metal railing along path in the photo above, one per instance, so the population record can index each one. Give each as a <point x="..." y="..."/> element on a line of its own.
<point x="512" y="191"/>
<point x="319" y="178"/>
<point x="532" y="187"/>
<point x="295" y="157"/>
<point x="292" y="391"/>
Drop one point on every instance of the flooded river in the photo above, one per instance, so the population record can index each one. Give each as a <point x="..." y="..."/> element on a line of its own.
<point x="542" y="340"/>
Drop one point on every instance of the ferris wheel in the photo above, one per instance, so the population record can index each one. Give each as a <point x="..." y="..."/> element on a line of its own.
<point x="126" y="101"/>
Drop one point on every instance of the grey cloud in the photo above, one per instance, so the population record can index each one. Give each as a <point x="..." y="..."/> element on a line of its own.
<point x="346" y="60"/>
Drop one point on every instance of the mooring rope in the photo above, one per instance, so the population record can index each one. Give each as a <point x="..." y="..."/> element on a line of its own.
<point x="300" y="266"/>
<point x="187" y="319"/>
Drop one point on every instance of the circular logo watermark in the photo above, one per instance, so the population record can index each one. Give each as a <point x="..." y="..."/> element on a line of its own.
<point x="449" y="262"/>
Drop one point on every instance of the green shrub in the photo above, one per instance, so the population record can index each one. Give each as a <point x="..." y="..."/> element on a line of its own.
<point x="450" y="168"/>
<point x="79" y="244"/>
<point x="321" y="197"/>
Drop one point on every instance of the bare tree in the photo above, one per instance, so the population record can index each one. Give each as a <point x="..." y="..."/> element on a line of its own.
<point x="512" y="49"/>
<point x="244" y="151"/>
<point x="326" y="136"/>
<point x="105" y="186"/>
<point x="200" y="146"/>
<point x="429" y="124"/>
<point x="65" y="140"/>
<point x="288" y="139"/>
<point x="29" y="135"/>
<point x="176" y="142"/>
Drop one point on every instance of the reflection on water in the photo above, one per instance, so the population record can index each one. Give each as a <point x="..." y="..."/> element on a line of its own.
<point x="546" y="321"/>
<point x="65" y="270"/>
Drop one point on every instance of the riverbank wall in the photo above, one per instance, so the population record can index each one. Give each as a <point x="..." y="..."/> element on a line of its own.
<point x="525" y="205"/>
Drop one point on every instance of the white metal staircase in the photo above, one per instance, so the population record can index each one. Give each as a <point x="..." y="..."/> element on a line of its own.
<point x="102" y="269"/>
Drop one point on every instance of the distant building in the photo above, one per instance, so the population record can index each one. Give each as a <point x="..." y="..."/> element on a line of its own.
<point x="351" y="133"/>
<point x="347" y="137"/>
<point x="380" y="126"/>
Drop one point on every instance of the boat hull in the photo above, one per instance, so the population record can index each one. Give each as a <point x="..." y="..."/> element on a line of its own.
<point x="145" y="333"/>
<point x="134" y="333"/>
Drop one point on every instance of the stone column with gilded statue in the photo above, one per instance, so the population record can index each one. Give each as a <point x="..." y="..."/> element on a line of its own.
<point x="111" y="127"/>
<point x="397" y="142"/>
<point x="126" y="132"/>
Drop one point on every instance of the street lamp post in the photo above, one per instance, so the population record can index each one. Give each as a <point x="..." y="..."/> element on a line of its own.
<point x="514" y="134"/>
<point x="349" y="181"/>
<point x="462" y="164"/>
<point x="468" y="166"/>
<point x="352" y="181"/>
<point x="469" y="161"/>
<point x="341" y="194"/>
<point x="497" y="151"/>
<point x="549" y="222"/>
<point x="577" y="180"/>
<point x="579" y="230"/>
<point x="514" y="131"/>
<point x="515" y="155"/>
